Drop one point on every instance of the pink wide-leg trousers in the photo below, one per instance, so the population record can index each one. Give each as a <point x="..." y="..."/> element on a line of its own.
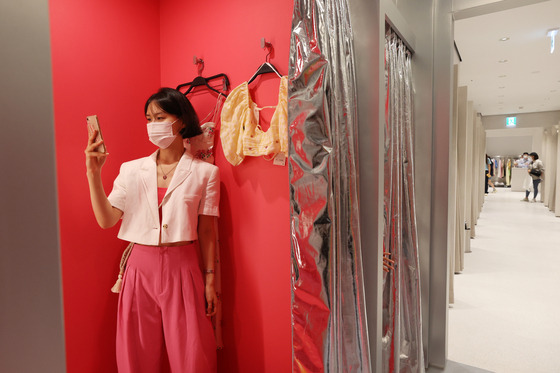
<point x="162" y="308"/>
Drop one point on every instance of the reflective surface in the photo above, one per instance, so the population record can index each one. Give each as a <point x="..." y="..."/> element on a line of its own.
<point x="328" y="312"/>
<point x="402" y="322"/>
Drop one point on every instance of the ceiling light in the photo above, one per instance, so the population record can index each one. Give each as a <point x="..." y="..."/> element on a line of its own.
<point x="552" y="35"/>
<point x="503" y="61"/>
<point x="501" y="87"/>
<point x="535" y="72"/>
<point x="521" y="107"/>
<point x="552" y="90"/>
<point x="502" y="76"/>
<point x="505" y="38"/>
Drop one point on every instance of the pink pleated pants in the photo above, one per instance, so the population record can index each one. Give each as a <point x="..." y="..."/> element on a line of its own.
<point x="162" y="312"/>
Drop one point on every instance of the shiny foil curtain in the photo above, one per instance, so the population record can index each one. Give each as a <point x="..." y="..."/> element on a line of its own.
<point x="328" y="312"/>
<point x="402" y="326"/>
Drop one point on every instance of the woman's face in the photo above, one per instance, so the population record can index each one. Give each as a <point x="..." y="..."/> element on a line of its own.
<point x="157" y="114"/>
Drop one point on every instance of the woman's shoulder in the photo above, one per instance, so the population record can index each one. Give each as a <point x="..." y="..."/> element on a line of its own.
<point x="135" y="163"/>
<point x="205" y="167"/>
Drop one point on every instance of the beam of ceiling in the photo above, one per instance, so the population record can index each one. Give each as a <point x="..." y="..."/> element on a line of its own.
<point x="490" y="7"/>
<point x="517" y="75"/>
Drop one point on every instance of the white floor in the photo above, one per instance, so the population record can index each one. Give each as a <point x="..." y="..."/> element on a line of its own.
<point x="506" y="316"/>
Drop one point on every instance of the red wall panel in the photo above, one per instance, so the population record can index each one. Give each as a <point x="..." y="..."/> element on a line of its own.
<point x="254" y="223"/>
<point x="106" y="61"/>
<point x="107" y="58"/>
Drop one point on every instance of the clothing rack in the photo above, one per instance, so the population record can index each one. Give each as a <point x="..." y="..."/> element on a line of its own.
<point x="501" y="169"/>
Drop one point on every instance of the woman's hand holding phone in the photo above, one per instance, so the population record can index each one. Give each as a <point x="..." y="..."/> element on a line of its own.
<point x="95" y="151"/>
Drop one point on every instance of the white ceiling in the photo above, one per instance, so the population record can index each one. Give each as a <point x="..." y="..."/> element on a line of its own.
<point x="530" y="79"/>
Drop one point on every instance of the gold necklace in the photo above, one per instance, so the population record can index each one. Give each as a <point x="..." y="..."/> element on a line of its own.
<point x="161" y="168"/>
<point x="165" y="174"/>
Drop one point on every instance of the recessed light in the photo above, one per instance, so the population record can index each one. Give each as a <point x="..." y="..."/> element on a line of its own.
<point x="521" y="107"/>
<point x="502" y="76"/>
<point x="503" y="61"/>
<point x="505" y="38"/>
<point x="535" y="72"/>
<point x="552" y="90"/>
<point x="501" y="87"/>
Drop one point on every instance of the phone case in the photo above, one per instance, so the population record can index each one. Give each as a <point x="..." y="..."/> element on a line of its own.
<point x="93" y="124"/>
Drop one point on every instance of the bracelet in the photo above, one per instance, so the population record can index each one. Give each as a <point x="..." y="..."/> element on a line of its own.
<point x="208" y="271"/>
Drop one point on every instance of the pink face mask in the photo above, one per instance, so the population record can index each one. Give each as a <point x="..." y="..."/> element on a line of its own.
<point x="161" y="133"/>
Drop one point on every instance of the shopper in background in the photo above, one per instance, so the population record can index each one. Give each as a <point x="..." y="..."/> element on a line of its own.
<point x="536" y="172"/>
<point x="488" y="175"/>
<point x="523" y="162"/>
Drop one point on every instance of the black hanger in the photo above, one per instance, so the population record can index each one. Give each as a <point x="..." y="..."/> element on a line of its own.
<point x="201" y="81"/>
<point x="265" y="68"/>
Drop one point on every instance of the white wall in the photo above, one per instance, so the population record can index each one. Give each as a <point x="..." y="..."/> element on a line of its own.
<point x="528" y="120"/>
<point x="513" y="141"/>
<point x="508" y="146"/>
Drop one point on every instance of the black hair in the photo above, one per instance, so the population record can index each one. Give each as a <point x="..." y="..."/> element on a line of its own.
<point x="525" y="153"/>
<point x="174" y="102"/>
<point x="534" y="155"/>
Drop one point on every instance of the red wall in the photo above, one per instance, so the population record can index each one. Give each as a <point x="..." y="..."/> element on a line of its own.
<point x="105" y="61"/>
<point x="254" y="226"/>
<point x="107" y="58"/>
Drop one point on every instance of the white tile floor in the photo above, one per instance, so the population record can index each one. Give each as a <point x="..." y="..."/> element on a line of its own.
<point x="506" y="316"/>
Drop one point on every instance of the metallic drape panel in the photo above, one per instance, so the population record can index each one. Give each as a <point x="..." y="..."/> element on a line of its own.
<point x="402" y="323"/>
<point x="328" y="312"/>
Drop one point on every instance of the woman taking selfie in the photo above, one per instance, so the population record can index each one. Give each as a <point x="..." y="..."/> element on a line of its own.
<point x="168" y="202"/>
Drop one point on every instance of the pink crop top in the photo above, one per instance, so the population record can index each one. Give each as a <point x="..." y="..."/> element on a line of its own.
<point x="160" y="194"/>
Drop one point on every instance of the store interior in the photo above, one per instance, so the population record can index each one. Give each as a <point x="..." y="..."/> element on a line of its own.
<point x="72" y="59"/>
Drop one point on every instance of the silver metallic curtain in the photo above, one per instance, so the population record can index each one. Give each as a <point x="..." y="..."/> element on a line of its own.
<point x="402" y="327"/>
<point x="328" y="312"/>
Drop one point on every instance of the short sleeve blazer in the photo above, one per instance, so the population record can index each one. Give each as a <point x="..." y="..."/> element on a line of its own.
<point x="194" y="190"/>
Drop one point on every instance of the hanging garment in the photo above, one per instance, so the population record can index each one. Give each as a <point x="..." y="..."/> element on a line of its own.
<point x="241" y="133"/>
<point x="202" y="146"/>
<point x="501" y="164"/>
<point x="508" y="173"/>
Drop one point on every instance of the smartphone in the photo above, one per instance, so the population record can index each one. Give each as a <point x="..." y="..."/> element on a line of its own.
<point x="92" y="125"/>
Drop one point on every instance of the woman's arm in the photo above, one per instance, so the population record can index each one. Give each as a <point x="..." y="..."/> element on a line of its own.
<point x="105" y="214"/>
<point x="207" y="240"/>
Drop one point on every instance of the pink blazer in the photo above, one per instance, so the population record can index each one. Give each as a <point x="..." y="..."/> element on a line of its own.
<point x="194" y="190"/>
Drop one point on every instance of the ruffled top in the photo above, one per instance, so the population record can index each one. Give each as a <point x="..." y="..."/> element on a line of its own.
<point x="241" y="133"/>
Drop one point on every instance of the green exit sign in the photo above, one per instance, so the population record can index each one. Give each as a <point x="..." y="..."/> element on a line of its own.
<point x="511" y="121"/>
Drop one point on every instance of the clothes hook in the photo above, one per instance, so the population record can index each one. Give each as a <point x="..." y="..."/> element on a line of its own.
<point x="200" y="63"/>
<point x="266" y="45"/>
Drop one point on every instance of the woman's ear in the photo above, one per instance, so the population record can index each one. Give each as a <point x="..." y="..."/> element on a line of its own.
<point x="182" y="127"/>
